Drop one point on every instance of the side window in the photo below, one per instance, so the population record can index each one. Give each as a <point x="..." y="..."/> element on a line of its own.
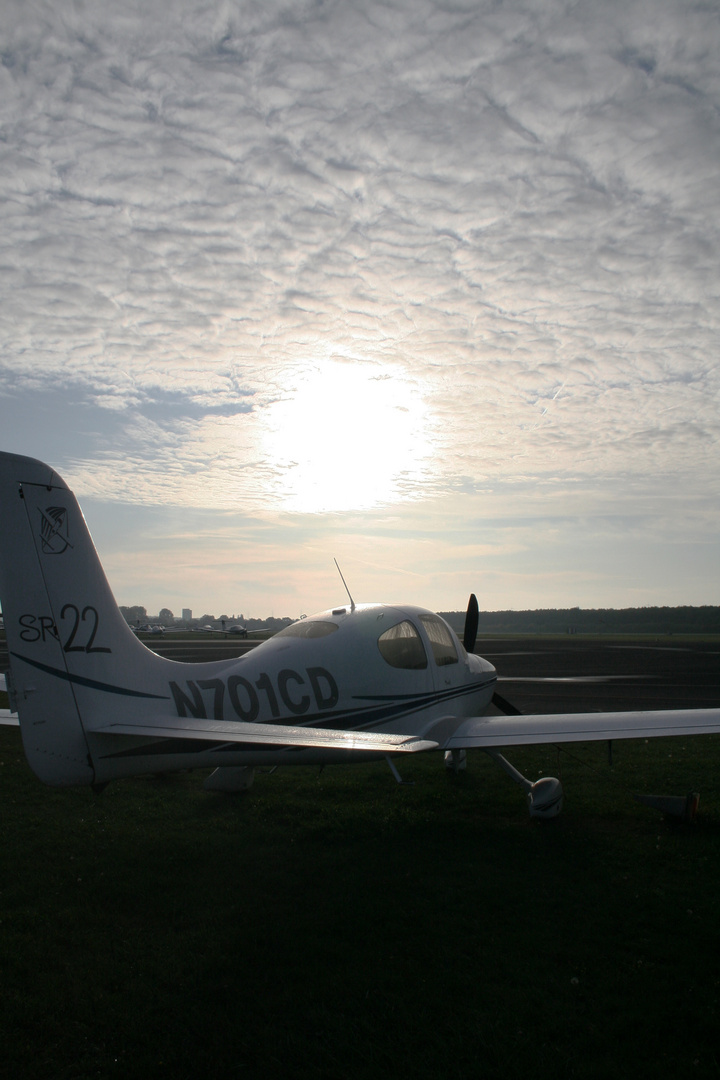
<point x="441" y="640"/>
<point x="401" y="647"/>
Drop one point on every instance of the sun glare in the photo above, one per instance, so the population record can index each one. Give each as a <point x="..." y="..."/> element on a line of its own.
<point x="348" y="436"/>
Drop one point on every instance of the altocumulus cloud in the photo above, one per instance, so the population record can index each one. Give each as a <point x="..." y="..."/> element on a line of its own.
<point x="509" y="211"/>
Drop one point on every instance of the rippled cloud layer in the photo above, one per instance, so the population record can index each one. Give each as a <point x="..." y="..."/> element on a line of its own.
<point x="450" y="261"/>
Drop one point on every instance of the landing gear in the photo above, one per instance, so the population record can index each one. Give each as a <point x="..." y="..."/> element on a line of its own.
<point x="545" y="796"/>
<point x="456" y="760"/>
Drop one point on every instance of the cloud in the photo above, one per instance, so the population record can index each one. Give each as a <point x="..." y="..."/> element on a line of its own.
<point x="509" y="210"/>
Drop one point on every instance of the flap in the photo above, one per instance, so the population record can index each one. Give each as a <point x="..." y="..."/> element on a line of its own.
<point x="174" y="727"/>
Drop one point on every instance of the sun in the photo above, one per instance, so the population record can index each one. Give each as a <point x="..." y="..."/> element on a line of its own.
<point x="349" y="435"/>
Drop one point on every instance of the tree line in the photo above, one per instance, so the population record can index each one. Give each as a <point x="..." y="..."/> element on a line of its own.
<point x="643" y="620"/>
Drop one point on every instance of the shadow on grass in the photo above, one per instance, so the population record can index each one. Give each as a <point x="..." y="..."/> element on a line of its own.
<point x="342" y="926"/>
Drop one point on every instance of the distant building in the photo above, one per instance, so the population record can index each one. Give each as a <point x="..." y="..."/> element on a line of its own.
<point x="186" y="614"/>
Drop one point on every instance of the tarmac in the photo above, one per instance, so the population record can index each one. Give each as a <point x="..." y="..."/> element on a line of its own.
<point x="540" y="675"/>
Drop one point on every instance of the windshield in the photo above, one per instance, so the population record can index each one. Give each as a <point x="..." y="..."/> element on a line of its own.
<point x="305" y="628"/>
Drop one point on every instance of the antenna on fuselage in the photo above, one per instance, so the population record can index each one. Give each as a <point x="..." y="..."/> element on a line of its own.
<point x="352" y="602"/>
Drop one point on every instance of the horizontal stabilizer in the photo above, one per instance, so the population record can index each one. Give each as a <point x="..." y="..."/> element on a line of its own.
<point x="269" y="734"/>
<point x="7" y="717"/>
<point x="482" y="731"/>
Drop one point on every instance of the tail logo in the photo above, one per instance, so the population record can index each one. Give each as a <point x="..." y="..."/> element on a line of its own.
<point x="54" y="530"/>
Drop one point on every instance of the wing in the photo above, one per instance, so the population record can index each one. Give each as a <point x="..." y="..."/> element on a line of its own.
<point x="174" y="727"/>
<point x="480" y="731"/>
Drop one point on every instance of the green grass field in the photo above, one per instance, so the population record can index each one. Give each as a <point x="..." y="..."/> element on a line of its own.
<point x="337" y="925"/>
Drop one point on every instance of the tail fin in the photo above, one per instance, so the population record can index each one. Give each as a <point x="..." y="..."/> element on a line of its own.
<point x="65" y="634"/>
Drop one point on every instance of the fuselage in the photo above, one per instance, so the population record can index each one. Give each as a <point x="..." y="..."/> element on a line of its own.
<point x="373" y="667"/>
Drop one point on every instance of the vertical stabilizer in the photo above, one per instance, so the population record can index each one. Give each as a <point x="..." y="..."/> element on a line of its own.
<point x="53" y="738"/>
<point x="66" y="637"/>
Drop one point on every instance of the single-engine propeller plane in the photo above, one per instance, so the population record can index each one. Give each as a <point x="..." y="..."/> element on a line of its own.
<point x="353" y="683"/>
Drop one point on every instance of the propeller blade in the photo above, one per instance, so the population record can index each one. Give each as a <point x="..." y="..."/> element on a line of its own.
<point x="505" y="706"/>
<point x="471" y="624"/>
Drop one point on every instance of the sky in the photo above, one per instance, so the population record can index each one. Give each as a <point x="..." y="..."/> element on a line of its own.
<point x="427" y="287"/>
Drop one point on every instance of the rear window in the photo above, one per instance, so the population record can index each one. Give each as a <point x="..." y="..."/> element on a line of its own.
<point x="402" y="647"/>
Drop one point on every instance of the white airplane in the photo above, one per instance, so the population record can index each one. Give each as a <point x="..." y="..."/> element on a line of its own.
<point x="353" y="683"/>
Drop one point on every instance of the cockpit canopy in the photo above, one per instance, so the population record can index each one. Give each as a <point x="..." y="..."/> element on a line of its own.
<point x="401" y="645"/>
<point x="414" y="640"/>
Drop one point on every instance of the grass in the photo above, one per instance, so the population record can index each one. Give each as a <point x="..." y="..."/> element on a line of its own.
<point x="337" y="925"/>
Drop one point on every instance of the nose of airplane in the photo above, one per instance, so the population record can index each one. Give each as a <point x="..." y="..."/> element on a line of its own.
<point x="480" y="666"/>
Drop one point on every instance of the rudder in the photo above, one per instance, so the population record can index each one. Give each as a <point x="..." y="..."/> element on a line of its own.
<point x="65" y="633"/>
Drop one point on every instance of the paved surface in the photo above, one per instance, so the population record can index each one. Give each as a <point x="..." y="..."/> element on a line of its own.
<point x="541" y="675"/>
<point x="550" y="675"/>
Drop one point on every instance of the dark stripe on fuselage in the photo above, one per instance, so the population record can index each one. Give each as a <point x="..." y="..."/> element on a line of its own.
<point x="437" y="697"/>
<point x="93" y="684"/>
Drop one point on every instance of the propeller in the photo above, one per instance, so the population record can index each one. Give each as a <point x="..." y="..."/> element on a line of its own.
<point x="505" y="706"/>
<point x="472" y="618"/>
<point x="471" y="624"/>
<point x="545" y="796"/>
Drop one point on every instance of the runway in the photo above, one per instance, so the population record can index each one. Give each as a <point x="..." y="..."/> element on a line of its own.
<point x="540" y="675"/>
<point x="549" y="675"/>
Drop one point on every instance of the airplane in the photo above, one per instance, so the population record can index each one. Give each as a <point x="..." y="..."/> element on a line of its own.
<point x="236" y="630"/>
<point x="356" y="682"/>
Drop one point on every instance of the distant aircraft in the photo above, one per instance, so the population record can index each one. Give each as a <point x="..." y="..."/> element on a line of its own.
<point x="237" y="630"/>
<point x="158" y="630"/>
<point x="353" y="683"/>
